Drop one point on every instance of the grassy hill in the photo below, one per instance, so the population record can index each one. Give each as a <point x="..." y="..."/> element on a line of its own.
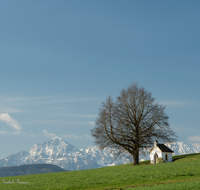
<point x="29" y="169"/>
<point x="183" y="173"/>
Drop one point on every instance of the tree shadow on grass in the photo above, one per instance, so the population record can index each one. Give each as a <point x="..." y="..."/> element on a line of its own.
<point x="178" y="157"/>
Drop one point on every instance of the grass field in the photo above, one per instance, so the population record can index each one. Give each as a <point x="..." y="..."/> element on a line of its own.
<point x="183" y="173"/>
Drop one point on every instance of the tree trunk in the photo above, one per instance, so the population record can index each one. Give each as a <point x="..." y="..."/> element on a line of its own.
<point x="136" y="158"/>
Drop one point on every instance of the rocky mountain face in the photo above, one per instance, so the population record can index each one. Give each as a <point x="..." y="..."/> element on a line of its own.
<point x="56" y="152"/>
<point x="105" y="157"/>
<point x="182" y="148"/>
<point x="61" y="153"/>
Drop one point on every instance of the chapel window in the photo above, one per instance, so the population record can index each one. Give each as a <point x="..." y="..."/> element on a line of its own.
<point x="166" y="157"/>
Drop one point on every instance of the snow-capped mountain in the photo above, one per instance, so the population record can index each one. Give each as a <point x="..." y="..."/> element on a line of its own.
<point x="56" y="151"/>
<point x="182" y="148"/>
<point x="61" y="153"/>
<point x="105" y="157"/>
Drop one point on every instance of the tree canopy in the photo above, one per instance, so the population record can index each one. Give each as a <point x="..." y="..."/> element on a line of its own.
<point x="131" y="122"/>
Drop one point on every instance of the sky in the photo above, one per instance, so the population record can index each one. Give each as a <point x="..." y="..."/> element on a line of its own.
<point x="61" y="59"/>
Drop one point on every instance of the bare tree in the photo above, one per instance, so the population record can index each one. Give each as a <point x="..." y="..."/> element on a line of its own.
<point x="132" y="122"/>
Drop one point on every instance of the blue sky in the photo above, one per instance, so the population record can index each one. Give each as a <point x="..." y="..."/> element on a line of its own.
<point x="61" y="59"/>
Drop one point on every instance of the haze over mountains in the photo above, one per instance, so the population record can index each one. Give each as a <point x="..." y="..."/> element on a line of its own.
<point x="61" y="153"/>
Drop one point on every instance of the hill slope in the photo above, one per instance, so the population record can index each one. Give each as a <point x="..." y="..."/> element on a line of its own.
<point x="186" y="168"/>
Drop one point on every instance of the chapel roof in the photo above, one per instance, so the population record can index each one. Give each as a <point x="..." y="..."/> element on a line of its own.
<point x="164" y="148"/>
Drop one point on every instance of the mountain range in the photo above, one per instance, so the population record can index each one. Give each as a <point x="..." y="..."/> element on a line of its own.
<point x="63" y="154"/>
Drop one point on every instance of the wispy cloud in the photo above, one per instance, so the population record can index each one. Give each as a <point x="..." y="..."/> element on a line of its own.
<point x="74" y="115"/>
<point x="194" y="138"/>
<point x="57" y="122"/>
<point x="47" y="99"/>
<point x="74" y="99"/>
<point x="173" y="103"/>
<point x="46" y="134"/>
<point x="196" y="144"/>
<point x="178" y="128"/>
<point x="92" y="123"/>
<point x="82" y="115"/>
<point x="10" y="110"/>
<point x="72" y="136"/>
<point x="88" y="136"/>
<point x="76" y="136"/>
<point x="5" y="117"/>
<point x="10" y="133"/>
<point x="19" y="99"/>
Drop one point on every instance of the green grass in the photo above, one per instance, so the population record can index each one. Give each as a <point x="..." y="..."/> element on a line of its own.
<point x="144" y="176"/>
<point x="194" y="184"/>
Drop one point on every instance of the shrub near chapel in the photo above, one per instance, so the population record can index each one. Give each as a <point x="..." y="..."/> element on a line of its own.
<point x="159" y="160"/>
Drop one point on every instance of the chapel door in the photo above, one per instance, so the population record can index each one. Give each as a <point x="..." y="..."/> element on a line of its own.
<point x="155" y="157"/>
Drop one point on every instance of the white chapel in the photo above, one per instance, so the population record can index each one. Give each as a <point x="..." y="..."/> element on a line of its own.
<point x="160" y="150"/>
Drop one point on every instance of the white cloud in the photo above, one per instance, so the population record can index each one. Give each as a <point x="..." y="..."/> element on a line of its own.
<point x="46" y="134"/>
<point x="194" y="138"/>
<point x="5" y="117"/>
<point x="92" y="123"/>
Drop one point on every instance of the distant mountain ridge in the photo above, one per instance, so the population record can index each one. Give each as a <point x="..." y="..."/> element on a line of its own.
<point x="29" y="169"/>
<point x="61" y="153"/>
<point x="182" y="148"/>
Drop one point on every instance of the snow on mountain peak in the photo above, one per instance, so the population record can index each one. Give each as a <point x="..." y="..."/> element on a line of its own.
<point x="182" y="148"/>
